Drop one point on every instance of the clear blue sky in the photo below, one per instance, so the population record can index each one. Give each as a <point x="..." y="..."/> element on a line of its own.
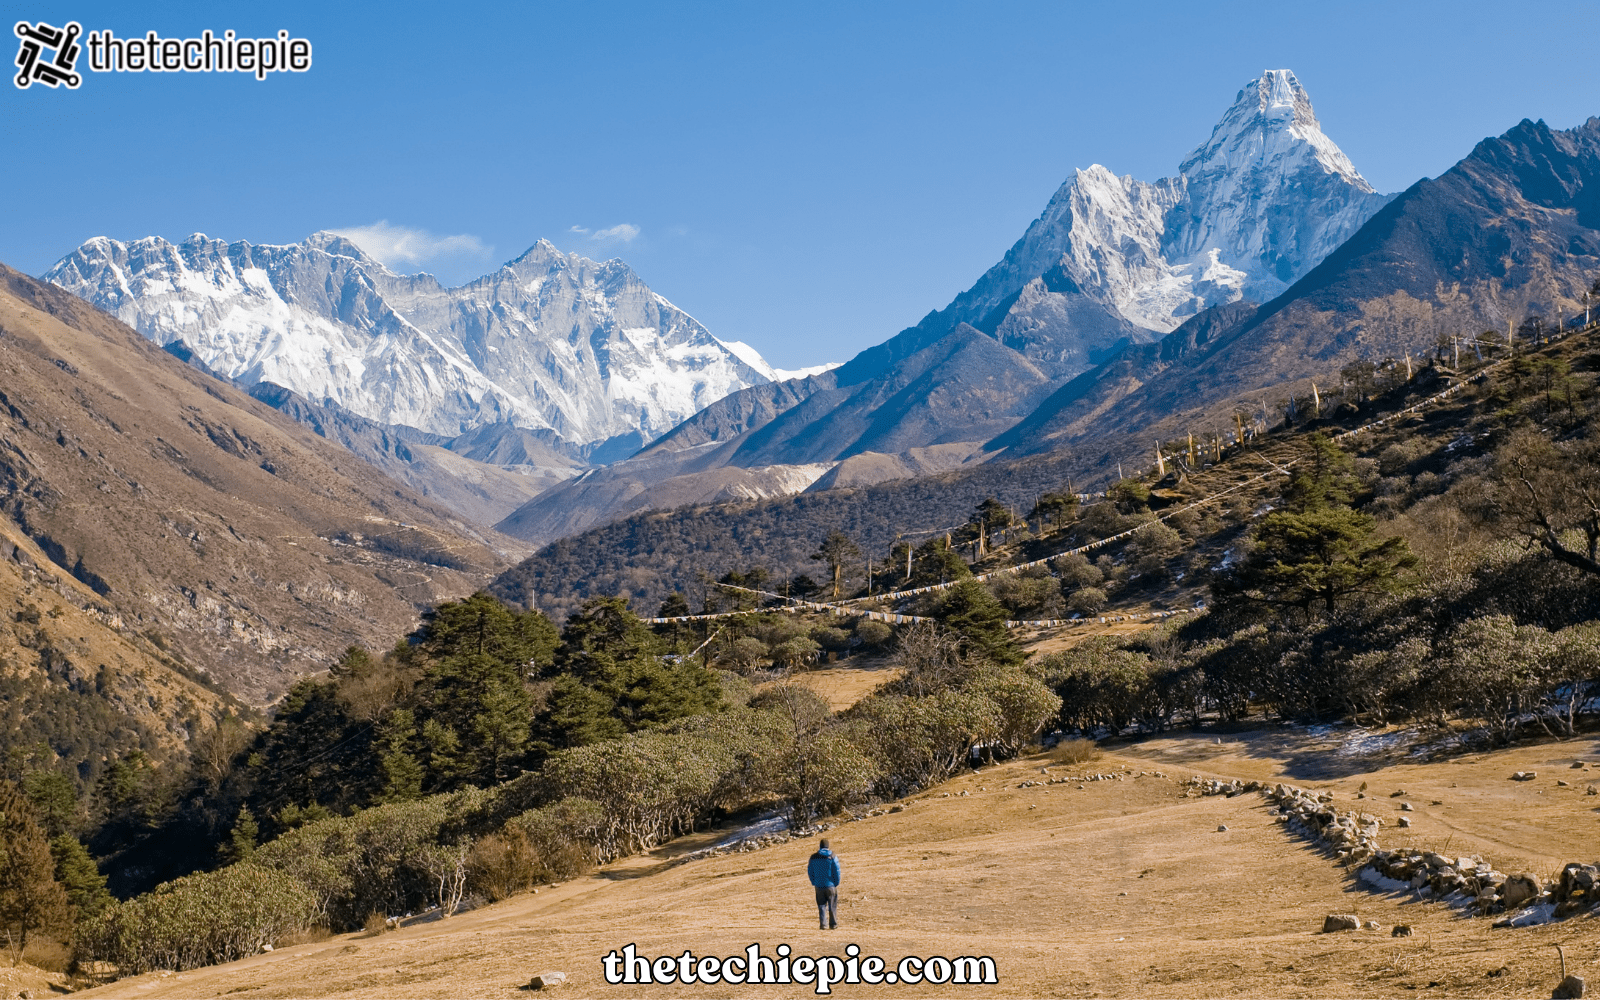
<point x="809" y="178"/>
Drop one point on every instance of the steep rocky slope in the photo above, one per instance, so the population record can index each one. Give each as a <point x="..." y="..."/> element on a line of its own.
<point x="237" y="540"/>
<point x="76" y="679"/>
<point x="482" y="490"/>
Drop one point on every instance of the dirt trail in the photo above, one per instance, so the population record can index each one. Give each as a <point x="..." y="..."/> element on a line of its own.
<point x="1122" y="887"/>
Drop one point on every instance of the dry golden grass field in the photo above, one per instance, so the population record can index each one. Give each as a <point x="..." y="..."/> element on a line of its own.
<point x="1119" y="888"/>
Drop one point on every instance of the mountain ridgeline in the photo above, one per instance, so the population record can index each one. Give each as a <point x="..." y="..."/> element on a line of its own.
<point x="1111" y="263"/>
<point x="549" y="340"/>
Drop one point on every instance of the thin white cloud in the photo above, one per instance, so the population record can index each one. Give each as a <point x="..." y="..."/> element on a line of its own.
<point x="399" y="245"/>
<point x="625" y="232"/>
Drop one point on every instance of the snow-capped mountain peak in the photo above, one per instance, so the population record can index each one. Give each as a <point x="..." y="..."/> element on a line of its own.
<point x="1271" y="114"/>
<point x="1251" y="209"/>
<point x="1113" y="259"/>
<point x="1268" y="191"/>
<point x="549" y="340"/>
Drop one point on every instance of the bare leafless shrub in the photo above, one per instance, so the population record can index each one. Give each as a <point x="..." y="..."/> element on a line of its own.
<point x="1076" y="750"/>
<point x="502" y="864"/>
<point x="47" y="954"/>
<point x="376" y="923"/>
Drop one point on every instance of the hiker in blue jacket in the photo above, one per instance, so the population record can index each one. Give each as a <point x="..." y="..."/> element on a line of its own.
<point x="823" y="871"/>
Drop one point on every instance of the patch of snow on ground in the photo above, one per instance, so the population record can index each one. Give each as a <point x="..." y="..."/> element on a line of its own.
<point x="1544" y="913"/>
<point x="768" y="824"/>
<point x="1374" y="879"/>
<point x="1362" y="743"/>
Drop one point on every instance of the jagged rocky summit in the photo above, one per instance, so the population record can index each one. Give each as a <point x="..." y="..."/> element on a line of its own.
<point x="549" y="340"/>
<point x="1114" y="260"/>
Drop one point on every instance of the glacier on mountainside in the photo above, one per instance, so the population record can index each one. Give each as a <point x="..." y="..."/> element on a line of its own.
<point x="549" y="340"/>
<point x="1251" y="210"/>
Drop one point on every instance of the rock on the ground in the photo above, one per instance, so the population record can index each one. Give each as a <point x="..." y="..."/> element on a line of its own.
<point x="1524" y="775"/>
<point x="545" y="980"/>
<point x="1519" y="889"/>
<point x="1571" y="988"/>
<point x="1334" y="922"/>
<point x="1401" y="930"/>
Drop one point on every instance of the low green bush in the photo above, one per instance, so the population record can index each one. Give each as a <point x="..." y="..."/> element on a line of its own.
<point x="199" y="920"/>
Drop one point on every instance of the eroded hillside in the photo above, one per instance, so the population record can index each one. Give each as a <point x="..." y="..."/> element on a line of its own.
<point x="205" y="521"/>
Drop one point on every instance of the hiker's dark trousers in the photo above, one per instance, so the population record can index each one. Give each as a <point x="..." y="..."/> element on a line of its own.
<point x="828" y="906"/>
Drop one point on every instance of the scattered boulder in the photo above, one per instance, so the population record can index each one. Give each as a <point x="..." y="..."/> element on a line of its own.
<point x="1577" y="765"/>
<point x="1579" y="884"/>
<point x="1222" y="828"/>
<point x="1401" y="930"/>
<point x="1373" y="925"/>
<point x="545" y="980"/>
<point x="1405" y="821"/>
<point x="1335" y="922"/>
<point x="1407" y="807"/>
<point x="1524" y="775"/>
<point x="1571" y="988"/>
<point x="1519" y="890"/>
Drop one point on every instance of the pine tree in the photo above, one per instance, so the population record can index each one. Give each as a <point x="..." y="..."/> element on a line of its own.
<point x="1321" y="557"/>
<point x="973" y="613"/>
<point x="937" y="562"/>
<point x="1057" y="508"/>
<point x="501" y="727"/>
<point x="1130" y="496"/>
<point x="31" y="900"/>
<point x="482" y="626"/>
<point x="577" y="715"/>
<point x="241" y="843"/>
<point x="80" y="877"/>
<point x="55" y="797"/>
<point x="1318" y="550"/>
<point x="675" y="606"/>
<point x="402" y="775"/>
<point x="443" y="747"/>
<point x="602" y="634"/>
<point x="486" y="702"/>
<point x="837" y="550"/>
